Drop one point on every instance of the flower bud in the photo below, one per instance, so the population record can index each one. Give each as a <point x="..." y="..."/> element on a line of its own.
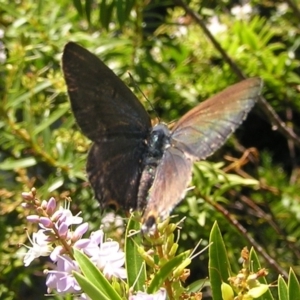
<point x="227" y="291"/>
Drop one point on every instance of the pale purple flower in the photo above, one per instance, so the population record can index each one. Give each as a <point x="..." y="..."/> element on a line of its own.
<point x="107" y="256"/>
<point x="68" y="218"/>
<point x="61" y="279"/>
<point x="33" y="218"/>
<point x="56" y="252"/>
<point x="40" y="247"/>
<point x="45" y="222"/>
<point x="82" y="244"/>
<point x="51" y="206"/>
<point x="96" y="238"/>
<point x="63" y="230"/>
<point x="159" y="295"/>
<point x="110" y="259"/>
<point x="80" y="231"/>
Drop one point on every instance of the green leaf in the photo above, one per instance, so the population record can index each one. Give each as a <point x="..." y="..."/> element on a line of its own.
<point x="293" y="286"/>
<point x="94" y="276"/>
<point x="90" y="289"/>
<point x="219" y="267"/>
<point x="135" y="266"/>
<point x="129" y="6"/>
<point x="165" y="271"/>
<point x="60" y="111"/>
<point x="121" y="12"/>
<point x="56" y="184"/>
<point x="88" y="9"/>
<point x="106" y="13"/>
<point x="27" y="95"/>
<point x="282" y="289"/>
<point x="11" y="164"/>
<point x="78" y="6"/>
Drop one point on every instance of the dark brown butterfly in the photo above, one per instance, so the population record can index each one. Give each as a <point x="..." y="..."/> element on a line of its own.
<point x="131" y="163"/>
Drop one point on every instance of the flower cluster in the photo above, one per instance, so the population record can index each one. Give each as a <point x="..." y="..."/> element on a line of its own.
<point x="245" y="283"/>
<point x="56" y="238"/>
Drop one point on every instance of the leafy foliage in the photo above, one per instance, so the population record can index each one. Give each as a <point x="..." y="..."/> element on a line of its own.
<point x="251" y="185"/>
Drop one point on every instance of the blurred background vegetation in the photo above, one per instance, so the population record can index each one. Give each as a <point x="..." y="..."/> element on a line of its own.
<point x="178" y="56"/>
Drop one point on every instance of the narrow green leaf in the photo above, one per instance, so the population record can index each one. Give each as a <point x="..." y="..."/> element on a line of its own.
<point x="198" y="285"/>
<point x="52" y="118"/>
<point x="219" y="267"/>
<point x="78" y="6"/>
<point x="90" y="289"/>
<point x="121" y="12"/>
<point x="293" y="286"/>
<point x="9" y="8"/>
<point x="165" y="271"/>
<point x="106" y="13"/>
<point x="88" y="9"/>
<point x="56" y="184"/>
<point x="38" y="88"/>
<point x="11" y="164"/>
<point x="94" y="275"/>
<point x="135" y="266"/>
<point x="255" y="262"/>
<point x="129" y="6"/>
<point x="282" y="289"/>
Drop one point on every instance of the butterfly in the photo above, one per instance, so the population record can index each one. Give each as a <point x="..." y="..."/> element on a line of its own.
<point x="132" y="164"/>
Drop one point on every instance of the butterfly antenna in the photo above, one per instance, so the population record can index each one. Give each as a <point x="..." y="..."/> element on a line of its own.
<point x="149" y="102"/>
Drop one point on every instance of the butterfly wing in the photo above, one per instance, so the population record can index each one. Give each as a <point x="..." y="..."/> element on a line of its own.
<point x="102" y="104"/>
<point x="114" y="171"/>
<point x="111" y="116"/>
<point x="173" y="174"/>
<point x="206" y="127"/>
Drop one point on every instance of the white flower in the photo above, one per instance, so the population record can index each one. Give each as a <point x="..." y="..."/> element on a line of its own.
<point x="159" y="295"/>
<point x="215" y="26"/>
<point x="40" y="247"/>
<point x="110" y="259"/>
<point x="242" y="11"/>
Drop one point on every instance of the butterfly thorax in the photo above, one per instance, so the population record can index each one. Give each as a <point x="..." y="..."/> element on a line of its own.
<point x="158" y="141"/>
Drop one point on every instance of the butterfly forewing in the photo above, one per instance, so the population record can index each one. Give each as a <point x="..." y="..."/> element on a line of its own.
<point x="206" y="127"/>
<point x="102" y="104"/>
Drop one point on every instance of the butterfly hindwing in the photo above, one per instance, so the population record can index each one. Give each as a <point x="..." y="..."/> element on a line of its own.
<point x="172" y="176"/>
<point x="114" y="169"/>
